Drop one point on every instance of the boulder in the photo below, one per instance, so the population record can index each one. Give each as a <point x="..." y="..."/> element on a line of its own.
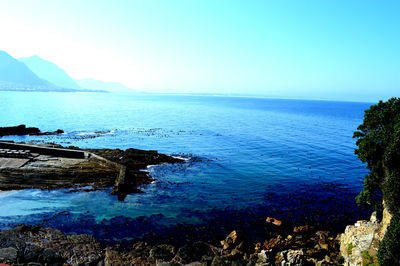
<point x="292" y="257"/>
<point x="162" y="252"/>
<point x="18" y="130"/>
<point x="230" y="241"/>
<point x="302" y="229"/>
<point x="49" y="246"/>
<point x="50" y="257"/>
<point x="264" y="257"/>
<point x="274" y="221"/>
<point x="217" y="261"/>
<point x="273" y="242"/>
<point x="360" y="242"/>
<point x="198" y="251"/>
<point x="8" y="255"/>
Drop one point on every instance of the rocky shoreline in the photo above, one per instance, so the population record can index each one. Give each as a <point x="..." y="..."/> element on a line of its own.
<point x="52" y="166"/>
<point x="121" y="169"/>
<point x="36" y="245"/>
<point x="28" y="245"/>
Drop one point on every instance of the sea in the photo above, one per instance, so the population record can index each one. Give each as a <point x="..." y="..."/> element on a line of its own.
<point x="247" y="159"/>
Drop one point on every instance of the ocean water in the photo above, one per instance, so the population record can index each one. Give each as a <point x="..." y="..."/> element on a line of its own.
<point x="248" y="158"/>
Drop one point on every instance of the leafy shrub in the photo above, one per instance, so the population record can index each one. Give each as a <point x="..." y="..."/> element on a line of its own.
<point x="389" y="248"/>
<point x="378" y="141"/>
<point x="366" y="255"/>
<point x="391" y="191"/>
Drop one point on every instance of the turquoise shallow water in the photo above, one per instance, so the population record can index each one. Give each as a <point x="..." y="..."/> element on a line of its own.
<point x="290" y="158"/>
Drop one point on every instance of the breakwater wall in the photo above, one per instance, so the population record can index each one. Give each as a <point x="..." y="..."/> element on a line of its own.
<point x="57" y="152"/>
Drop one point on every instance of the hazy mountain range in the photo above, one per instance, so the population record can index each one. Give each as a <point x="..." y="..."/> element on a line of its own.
<point x="93" y="84"/>
<point x="16" y="75"/>
<point x="50" y="72"/>
<point x="37" y="74"/>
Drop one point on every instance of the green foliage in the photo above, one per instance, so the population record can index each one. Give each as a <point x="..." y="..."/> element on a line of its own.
<point x="350" y="248"/>
<point x="367" y="259"/>
<point x="378" y="141"/>
<point x="366" y="255"/>
<point x="389" y="248"/>
<point x="391" y="191"/>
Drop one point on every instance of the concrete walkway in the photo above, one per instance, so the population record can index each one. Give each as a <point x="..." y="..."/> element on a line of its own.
<point x="12" y="162"/>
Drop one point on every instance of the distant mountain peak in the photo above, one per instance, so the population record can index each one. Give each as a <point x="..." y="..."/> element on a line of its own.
<point x="15" y="74"/>
<point x="50" y="71"/>
<point x="4" y="54"/>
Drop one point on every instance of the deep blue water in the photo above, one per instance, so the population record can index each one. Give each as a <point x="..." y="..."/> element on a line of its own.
<point x="248" y="158"/>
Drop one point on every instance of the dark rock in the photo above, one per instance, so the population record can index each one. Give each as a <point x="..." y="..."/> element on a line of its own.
<point x="221" y="261"/>
<point x="272" y="243"/>
<point x="217" y="260"/>
<point x="31" y="253"/>
<point x="198" y="251"/>
<point x="114" y="256"/>
<point x="140" y="250"/>
<point x="49" y="257"/>
<point x="302" y="229"/>
<point x="322" y="236"/>
<point x="315" y="253"/>
<point x="23" y="130"/>
<point x="162" y="252"/>
<point x="22" y="228"/>
<point x="18" y="130"/>
<point x="8" y="255"/>
<point x="163" y="263"/>
<point x="51" y="247"/>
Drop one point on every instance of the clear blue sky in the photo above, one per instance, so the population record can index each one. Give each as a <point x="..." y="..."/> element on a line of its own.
<point x="328" y="49"/>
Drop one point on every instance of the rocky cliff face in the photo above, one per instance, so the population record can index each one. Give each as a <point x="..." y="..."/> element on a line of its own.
<point x="360" y="242"/>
